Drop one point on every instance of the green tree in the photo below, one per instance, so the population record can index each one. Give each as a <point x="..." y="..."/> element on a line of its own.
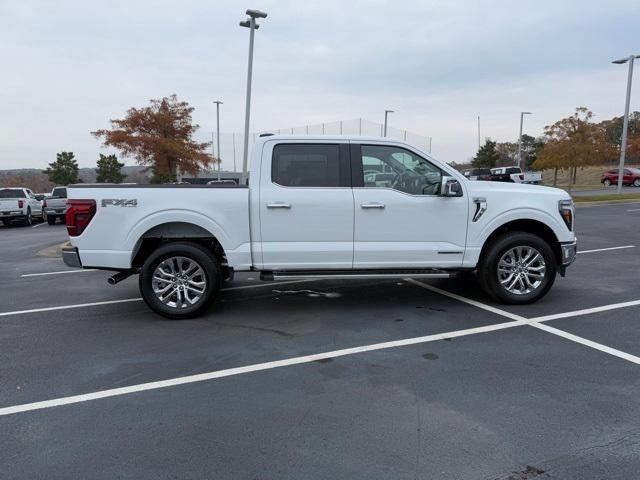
<point x="108" y="170"/>
<point x="487" y="156"/>
<point x="64" y="170"/>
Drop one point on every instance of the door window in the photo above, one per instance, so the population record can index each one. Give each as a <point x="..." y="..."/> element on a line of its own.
<point x="394" y="167"/>
<point x="306" y="165"/>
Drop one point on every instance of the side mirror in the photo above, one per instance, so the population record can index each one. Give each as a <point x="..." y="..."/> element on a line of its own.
<point x="450" y="187"/>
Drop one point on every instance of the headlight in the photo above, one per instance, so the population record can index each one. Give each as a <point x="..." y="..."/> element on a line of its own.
<point x="566" y="212"/>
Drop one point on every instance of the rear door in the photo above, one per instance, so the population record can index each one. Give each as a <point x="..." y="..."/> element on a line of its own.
<point x="404" y="222"/>
<point x="306" y="206"/>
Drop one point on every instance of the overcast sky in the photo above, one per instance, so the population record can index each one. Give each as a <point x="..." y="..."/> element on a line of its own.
<point x="70" y="66"/>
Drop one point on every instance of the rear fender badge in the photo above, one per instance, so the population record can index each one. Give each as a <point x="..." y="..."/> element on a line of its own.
<point x="119" y="202"/>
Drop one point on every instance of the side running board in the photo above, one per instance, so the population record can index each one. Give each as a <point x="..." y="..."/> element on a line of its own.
<point x="354" y="274"/>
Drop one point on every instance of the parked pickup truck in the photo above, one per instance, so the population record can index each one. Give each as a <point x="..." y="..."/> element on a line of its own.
<point x="19" y="204"/>
<point x="515" y="174"/>
<point x="56" y="205"/>
<point x="307" y="212"/>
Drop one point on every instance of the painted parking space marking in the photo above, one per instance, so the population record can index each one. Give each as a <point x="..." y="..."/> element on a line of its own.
<point x="515" y="321"/>
<point x="607" y="249"/>
<point x="114" y="392"/>
<point x="127" y="300"/>
<point x="586" y="311"/>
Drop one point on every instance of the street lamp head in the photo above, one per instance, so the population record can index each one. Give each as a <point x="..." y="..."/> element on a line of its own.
<point x="247" y="23"/>
<point x="218" y="102"/>
<point x="389" y="111"/>
<point x="527" y="113"/>
<point x="625" y="60"/>
<point x="256" y="13"/>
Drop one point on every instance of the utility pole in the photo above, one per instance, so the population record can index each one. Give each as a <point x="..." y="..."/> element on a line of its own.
<point x="479" y="145"/>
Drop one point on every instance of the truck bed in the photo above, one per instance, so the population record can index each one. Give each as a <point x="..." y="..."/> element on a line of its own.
<point x="125" y="213"/>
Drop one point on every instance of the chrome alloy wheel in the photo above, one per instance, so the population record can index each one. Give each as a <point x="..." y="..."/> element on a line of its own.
<point x="521" y="270"/>
<point x="179" y="282"/>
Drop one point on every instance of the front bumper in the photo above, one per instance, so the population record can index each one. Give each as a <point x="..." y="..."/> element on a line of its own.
<point x="70" y="256"/>
<point x="569" y="251"/>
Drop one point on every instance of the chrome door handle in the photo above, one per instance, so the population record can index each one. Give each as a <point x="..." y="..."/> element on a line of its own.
<point x="278" y="205"/>
<point x="372" y="205"/>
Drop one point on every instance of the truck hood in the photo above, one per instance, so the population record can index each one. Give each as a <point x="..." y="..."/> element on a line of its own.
<point x="508" y="188"/>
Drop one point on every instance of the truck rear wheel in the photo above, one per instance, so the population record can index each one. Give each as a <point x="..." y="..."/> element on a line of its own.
<point x="180" y="280"/>
<point x="51" y="219"/>
<point x="517" y="268"/>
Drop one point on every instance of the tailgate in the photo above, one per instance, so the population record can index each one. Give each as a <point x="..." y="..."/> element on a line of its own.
<point x="6" y="205"/>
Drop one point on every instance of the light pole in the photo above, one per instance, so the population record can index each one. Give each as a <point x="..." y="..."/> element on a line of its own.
<point x="479" y="132"/>
<point x="251" y="24"/>
<point x="625" y="121"/>
<point x="522" y="114"/>
<point x="386" y="115"/>
<point x="218" y="103"/>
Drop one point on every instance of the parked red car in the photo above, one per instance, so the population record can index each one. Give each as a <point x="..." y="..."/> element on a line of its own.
<point x="631" y="177"/>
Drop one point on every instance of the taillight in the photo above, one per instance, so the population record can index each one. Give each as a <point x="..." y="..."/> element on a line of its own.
<point x="44" y="204"/>
<point x="20" y="203"/>
<point x="79" y="214"/>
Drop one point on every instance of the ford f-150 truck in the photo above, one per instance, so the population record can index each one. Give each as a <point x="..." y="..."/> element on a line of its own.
<point x="310" y="211"/>
<point x="19" y="204"/>
<point x="56" y="205"/>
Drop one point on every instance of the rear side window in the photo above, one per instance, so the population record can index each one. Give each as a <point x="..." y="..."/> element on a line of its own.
<point x="306" y="165"/>
<point x="9" y="193"/>
<point x="60" y="192"/>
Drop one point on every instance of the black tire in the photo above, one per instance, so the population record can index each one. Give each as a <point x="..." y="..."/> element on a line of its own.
<point x="6" y="222"/>
<point x="606" y="182"/>
<point x="51" y="219"/>
<point x="28" y="219"/>
<point x="488" y="267"/>
<point x="194" y="253"/>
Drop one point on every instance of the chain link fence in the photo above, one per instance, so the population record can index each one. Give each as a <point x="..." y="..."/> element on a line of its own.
<point x="231" y="144"/>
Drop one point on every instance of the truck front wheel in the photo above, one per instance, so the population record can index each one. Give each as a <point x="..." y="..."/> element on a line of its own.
<point x="180" y="280"/>
<point x="517" y="268"/>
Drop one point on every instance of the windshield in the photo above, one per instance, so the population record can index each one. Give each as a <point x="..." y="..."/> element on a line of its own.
<point x="59" y="192"/>
<point x="12" y="193"/>
<point x="635" y="171"/>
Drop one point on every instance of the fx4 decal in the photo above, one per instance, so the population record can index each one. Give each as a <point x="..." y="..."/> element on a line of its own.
<point x="119" y="202"/>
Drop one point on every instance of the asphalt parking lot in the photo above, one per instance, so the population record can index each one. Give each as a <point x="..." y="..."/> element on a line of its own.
<point x="323" y="379"/>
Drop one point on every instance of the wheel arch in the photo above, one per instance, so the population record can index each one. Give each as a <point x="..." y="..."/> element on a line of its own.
<point x="167" y="232"/>
<point x="535" y="227"/>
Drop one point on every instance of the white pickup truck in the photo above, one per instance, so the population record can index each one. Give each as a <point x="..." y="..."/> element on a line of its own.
<point x="19" y="204"/>
<point x="313" y="208"/>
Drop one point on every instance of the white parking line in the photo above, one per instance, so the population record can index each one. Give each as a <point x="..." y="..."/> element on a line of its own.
<point x="38" y="225"/>
<point x="79" y="270"/>
<point x="517" y="321"/>
<point x="587" y="342"/>
<point x="138" y="299"/>
<point x="607" y="249"/>
<point x="634" y="210"/>
<point x="536" y="322"/>
<point x="586" y="311"/>
<point x="56" y="402"/>
<point x="67" y="307"/>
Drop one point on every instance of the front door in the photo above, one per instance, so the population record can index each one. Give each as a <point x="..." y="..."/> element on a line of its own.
<point x="401" y="221"/>
<point x="306" y="206"/>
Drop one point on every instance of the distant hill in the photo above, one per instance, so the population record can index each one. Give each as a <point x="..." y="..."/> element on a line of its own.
<point x="37" y="181"/>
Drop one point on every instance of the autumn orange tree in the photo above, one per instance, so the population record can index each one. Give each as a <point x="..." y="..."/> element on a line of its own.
<point x="574" y="142"/>
<point x="159" y="136"/>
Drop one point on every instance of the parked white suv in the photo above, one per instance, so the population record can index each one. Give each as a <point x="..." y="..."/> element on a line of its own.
<point x="19" y="204"/>
<point x="311" y="210"/>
